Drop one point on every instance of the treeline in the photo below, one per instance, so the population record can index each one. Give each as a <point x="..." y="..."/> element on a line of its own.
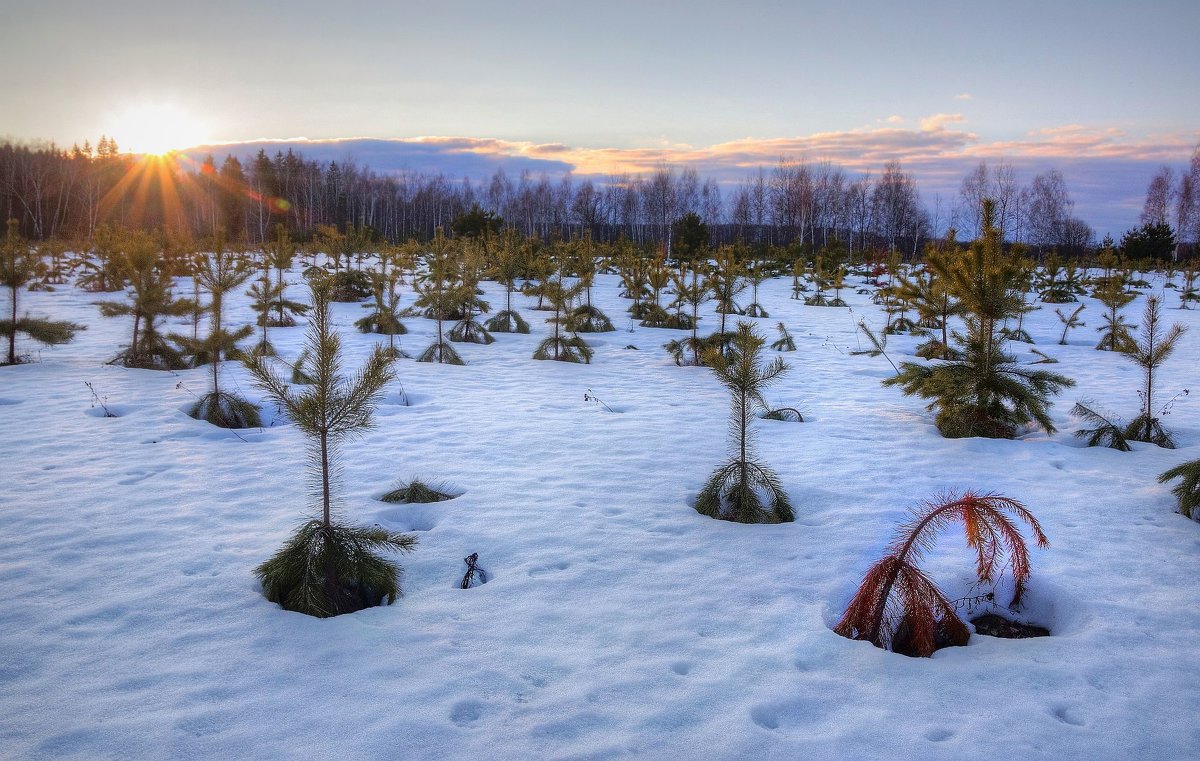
<point x="70" y="193"/>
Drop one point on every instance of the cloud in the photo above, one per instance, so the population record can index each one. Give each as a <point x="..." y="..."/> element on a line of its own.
<point x="1106" y="169"/>
<point x="963" y="96"/>
<point x="451" y="156"/>
<point x="895" y="119"/>
<point x="938" y="122"/>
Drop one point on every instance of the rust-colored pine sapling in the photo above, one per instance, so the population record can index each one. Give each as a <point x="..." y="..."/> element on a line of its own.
<point x="18" y="266"/>
<point x="329" y="567"/>
<point x="897" y="607"/>
<point x="744" y="490"/>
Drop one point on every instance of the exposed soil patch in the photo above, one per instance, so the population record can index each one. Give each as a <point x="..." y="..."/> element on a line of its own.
<point x="992" y="625"/>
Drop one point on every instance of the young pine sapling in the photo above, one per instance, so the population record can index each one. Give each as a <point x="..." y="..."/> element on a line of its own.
<point x="1149" y="354"/>
<point x="744" y="490"/>
<point x="1187" y="491"/>
<point x="1069" y="321"/>
<point x="18" y="265"/>
<point x="328" y="567"/>
<point x="219" y="273"/>
<point x="899" y="608"/>
<point x="506" y="268"/>
<point x="139" y="257"/>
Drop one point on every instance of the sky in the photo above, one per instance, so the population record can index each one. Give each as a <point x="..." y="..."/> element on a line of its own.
<point x="1095" y="88"/>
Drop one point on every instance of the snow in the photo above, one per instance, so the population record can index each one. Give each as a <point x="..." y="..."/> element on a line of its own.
<point x="616" y="622"/>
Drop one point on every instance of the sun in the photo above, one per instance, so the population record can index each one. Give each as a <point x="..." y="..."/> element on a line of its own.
<point x="157" y="129"/>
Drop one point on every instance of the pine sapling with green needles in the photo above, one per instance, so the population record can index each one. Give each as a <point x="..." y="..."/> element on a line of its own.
<point x="384" y="318"/>
<point x="985" y="392"/>
<point x="436" y="295"/>
<point x="466" y="291"/>
<point x="744" y="490"/>
<point x="140" y="260"/>
<point x="693" y="293"/>
<point x="785" y="342"/>
<point x="219" y="273"/>
<point x="658" y="277"/>
<point x="1187" y="491"/>
<point x="18" y="266"/>
<point x="416" y="491"/>
<point x="1069" y="321"/>
<point x="506" y="268"/>
<point x="1105" y="431"/>
<point x="1155" y="346"/>
<point x="1115" y="333"/>
<point x="329" y="567"/>
<point x="756" y="273"/>
<point x="587" y="317"/>
<point x="559" y="345"/>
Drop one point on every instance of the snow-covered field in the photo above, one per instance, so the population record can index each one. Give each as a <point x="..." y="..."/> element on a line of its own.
<point x="617" y="622"/>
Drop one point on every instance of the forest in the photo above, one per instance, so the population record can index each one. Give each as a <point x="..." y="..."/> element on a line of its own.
<point x="57" y="193"/>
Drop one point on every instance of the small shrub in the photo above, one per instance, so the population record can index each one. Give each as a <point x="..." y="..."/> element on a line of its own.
<point x="417" y="492"/>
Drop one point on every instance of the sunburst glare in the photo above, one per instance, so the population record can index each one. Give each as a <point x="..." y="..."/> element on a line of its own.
<point x="157" y="129"/>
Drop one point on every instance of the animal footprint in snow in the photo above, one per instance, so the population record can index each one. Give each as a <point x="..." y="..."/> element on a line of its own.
<point x="765" y="717"/>
<point x="465" y="713"/>
<point x="683" y="668"/>
<point x="1068" y="715"/>
<point x="543" y="570"/>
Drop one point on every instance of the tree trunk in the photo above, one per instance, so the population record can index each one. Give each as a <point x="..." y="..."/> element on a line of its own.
<point x="325" y="477"/>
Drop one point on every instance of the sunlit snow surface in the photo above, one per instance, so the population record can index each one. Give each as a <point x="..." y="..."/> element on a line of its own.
<point x="617" y="622"/>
